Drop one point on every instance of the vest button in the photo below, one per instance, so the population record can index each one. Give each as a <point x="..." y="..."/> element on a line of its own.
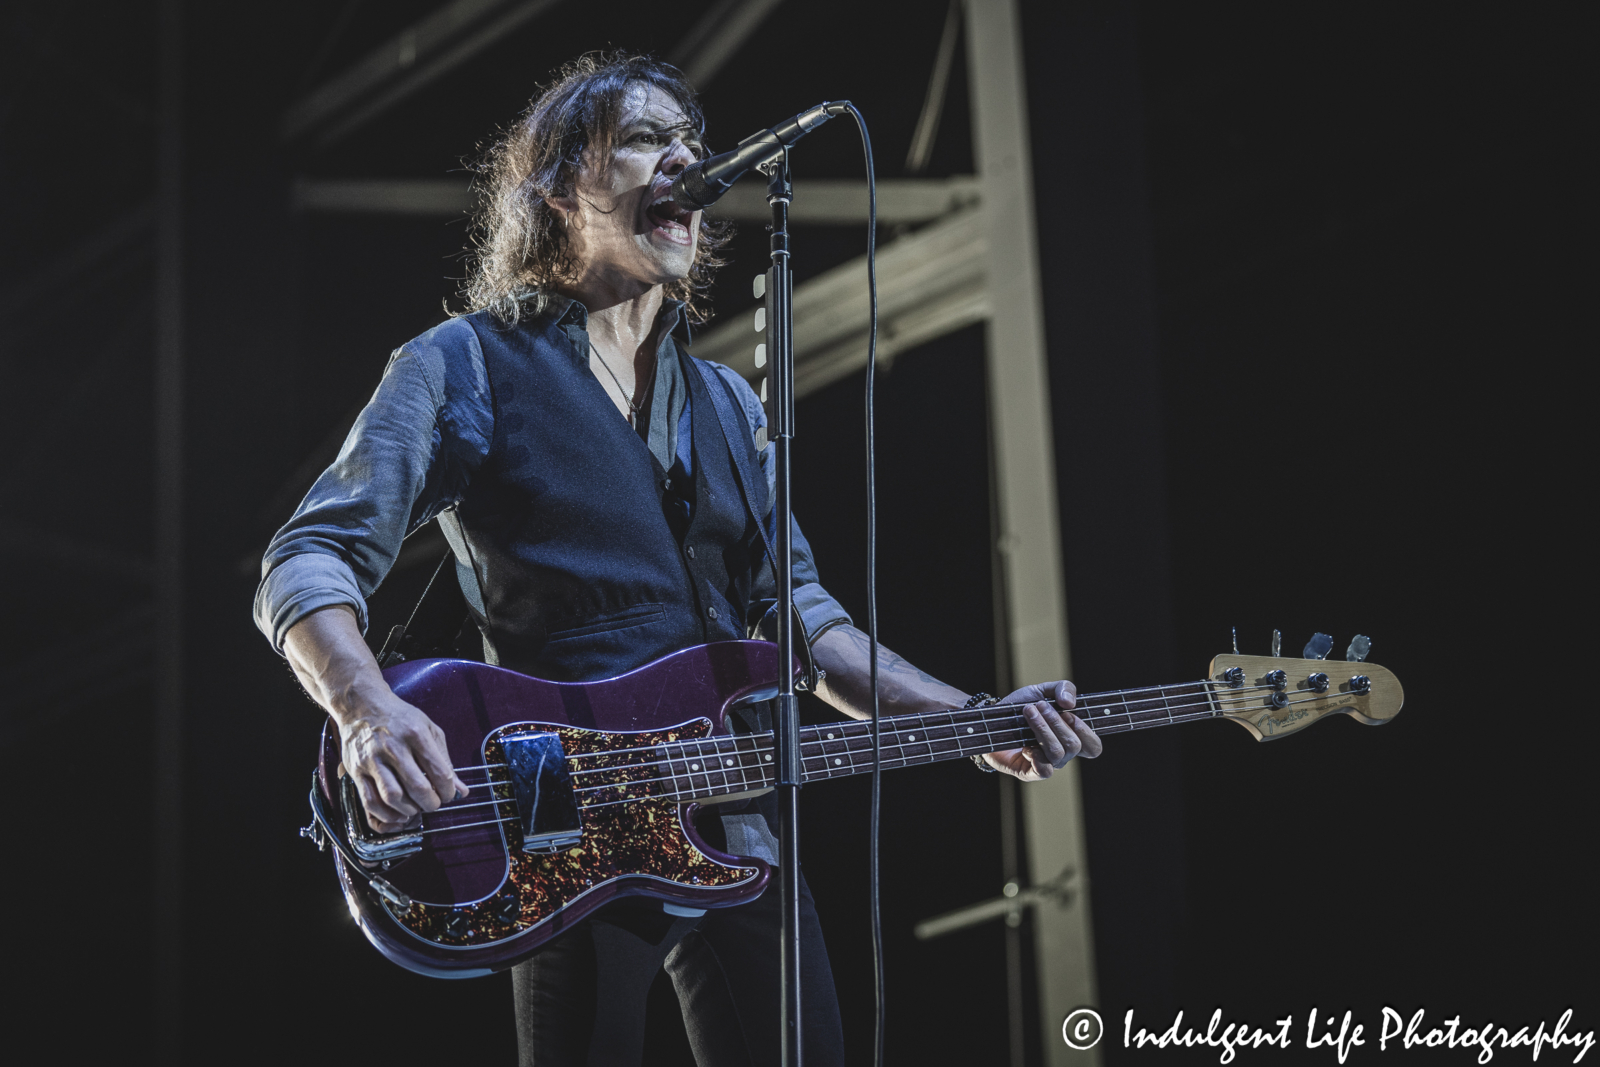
<point x="666" y="485"/>
<point x="711" y="612"/>
<point x="690" y="550"/>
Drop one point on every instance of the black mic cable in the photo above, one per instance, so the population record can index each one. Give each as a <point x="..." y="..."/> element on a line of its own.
<point x="879" y="983"/>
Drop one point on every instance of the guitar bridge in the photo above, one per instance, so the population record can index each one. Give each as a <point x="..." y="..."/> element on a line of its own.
<point x="541" y="784"/>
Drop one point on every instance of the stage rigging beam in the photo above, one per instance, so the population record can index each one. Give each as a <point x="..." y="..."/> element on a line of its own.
<point x="721" y="31"/>
<point x="1029" y="536"/>
<point x="938" y="88"/>
<point x="404" y="64"/>
<point x="930" y="283"/>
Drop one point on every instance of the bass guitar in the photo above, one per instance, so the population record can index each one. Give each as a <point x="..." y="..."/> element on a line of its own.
<point x="585" y="792"/>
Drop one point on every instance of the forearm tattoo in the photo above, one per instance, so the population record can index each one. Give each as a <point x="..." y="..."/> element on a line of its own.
<point x="901" y="684"/>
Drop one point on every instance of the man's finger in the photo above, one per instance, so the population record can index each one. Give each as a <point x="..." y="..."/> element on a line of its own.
<point x="1039" y="716"/>
<point x="1071" y="744"/>
<point x="419" y="790"/>
<point x="1087" y="738"/>
<point x="393" y="792"/>
<point x="435" y="763"/>
<point x="379" y="814"/>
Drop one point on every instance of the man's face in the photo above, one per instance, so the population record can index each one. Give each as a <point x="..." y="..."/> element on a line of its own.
<point x="621" y="221"/>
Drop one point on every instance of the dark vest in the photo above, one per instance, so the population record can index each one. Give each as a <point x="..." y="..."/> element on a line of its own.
<point x="589" y="563"/>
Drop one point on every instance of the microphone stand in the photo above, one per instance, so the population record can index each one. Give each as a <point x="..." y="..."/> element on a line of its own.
<point x="786" y="726"/>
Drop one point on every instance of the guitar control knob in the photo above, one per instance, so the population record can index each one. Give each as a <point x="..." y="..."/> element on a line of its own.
<point x="508" y="909"/>
<point x="1317" y="683"/>
<point x="1280" y="699"/>
<point x="1360" y="683"/>
<point x="1276" y="679"/>
<point x="458" y="925"/>
<point x="1234" y="676"/>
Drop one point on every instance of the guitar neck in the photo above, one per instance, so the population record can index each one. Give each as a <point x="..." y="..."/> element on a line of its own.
<point x="839" y="749"/>
<point x="721" y="766"/>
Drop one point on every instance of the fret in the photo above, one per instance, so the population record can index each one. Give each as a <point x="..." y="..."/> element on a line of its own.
<point x="734" y="755"/>
<point x="678" y="769"/>
<point x="824" y="751"/>
<point x="943" y="740"/>
<point x="755" y="774"/>
<point x="915" y="748"/>
<point x="853" y="744"/>
<point x="861" y="744"/>
<point x="700" y="770"/>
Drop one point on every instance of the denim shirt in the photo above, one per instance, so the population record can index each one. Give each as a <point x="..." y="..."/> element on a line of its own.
<point x="411" y="457"/>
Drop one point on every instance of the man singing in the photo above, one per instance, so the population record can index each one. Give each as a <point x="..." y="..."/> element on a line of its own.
<point x="569" y="446"/>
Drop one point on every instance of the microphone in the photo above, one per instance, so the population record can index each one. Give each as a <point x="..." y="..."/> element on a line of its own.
<point x="702" y="184"/>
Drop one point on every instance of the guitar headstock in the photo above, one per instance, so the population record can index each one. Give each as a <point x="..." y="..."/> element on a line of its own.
<point x="1272" y="696"/>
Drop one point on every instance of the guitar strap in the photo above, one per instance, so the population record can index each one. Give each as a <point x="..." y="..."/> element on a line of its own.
<point x="736" y="432"/>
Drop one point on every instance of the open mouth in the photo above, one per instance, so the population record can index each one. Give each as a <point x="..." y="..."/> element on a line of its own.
<point x="669" y="218"/>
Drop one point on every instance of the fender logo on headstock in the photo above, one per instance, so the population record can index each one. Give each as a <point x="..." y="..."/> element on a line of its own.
<point x="1298" y="692"/>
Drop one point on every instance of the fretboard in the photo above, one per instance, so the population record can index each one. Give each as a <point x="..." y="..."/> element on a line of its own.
<point x="720" y="766"/>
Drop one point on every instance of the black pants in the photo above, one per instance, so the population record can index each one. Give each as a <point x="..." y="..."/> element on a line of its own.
<point x="581" y="1000"/>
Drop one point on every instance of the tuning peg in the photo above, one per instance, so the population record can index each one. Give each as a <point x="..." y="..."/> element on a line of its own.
<point x="1235" y="640"/>
<point x="1360" y="648"/>
<point x="1318" y="647"/>
<point x="758" y="286"/>
<point x="1277" y="643"/>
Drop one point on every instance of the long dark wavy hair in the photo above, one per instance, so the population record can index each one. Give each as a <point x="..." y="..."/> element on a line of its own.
<point x="519" y="248"/>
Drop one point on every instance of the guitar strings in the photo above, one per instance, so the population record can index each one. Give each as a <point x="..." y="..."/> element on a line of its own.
<point x="850" y="731"/>
<point x="935" y="747"/>
<point x="1085" y="710"/>
<point x="1099" y="718"/>
<point x="677" y="794"/>
<point x="720" y="759"/>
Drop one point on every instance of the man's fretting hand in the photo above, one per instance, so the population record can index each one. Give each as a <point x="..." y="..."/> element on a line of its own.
<point x="903" y="689"/>
<point x="396" y="755"/>
<point x="1062" y="735"/>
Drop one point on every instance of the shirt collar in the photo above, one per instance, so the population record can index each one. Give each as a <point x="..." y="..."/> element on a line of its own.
<point x="563" y="310"/>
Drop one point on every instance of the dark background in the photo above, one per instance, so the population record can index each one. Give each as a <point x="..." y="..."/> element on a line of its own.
<point x="1314" y="296"/>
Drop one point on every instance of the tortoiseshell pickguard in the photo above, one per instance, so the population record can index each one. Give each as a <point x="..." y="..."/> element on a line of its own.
<point x="642" y="838"/>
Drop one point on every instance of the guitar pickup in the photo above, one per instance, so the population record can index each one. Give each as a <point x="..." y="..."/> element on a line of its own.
<point x="369" y="845"/>
<point x="541" y="785"/>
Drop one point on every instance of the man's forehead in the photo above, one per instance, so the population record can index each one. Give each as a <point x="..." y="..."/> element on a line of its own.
<point x="652" y="104"/>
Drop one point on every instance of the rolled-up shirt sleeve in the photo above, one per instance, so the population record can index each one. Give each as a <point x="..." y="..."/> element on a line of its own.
<point x="819" y="611"/>
<point x="406" y="459"/>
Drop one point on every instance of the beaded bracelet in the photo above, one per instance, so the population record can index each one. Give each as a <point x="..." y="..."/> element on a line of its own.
<point x="981" y="699"/>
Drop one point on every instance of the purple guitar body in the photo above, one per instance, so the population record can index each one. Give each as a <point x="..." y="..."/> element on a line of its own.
<point x="585" y="792"/>
<point x="477" y="901"/>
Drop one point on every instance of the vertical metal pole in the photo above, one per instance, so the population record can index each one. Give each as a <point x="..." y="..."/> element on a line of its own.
<point x="786" y="727"/>
<point x="1010" y="860"/>
<point x="1016" y="1028"/>
<point x="167" y="988"/>
<point x="1029" y="539"/>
